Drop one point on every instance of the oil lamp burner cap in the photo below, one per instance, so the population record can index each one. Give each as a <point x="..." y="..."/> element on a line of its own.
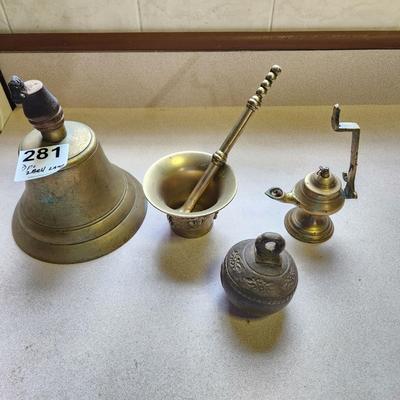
<point x="322" y="182"/>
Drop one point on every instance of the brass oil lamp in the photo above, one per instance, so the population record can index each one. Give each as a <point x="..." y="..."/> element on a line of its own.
<point x="192" y="187"/>
<point x="169" y="182"/>
<point x="85" y="210"/>
<point x="320" y="193"/>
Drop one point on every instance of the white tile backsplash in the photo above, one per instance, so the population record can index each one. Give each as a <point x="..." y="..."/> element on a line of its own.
<point x="72" y="15"/>
<point x="206" y="15"/>
<point x="193" y="15"/>
<point x="290" y="15"/>
<point x="4" y="28"/>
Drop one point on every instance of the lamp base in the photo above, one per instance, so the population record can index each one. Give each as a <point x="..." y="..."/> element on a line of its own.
<point x="307" y="227"/>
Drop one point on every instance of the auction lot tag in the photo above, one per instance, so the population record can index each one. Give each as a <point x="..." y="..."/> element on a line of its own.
<point x="40" y="162"/>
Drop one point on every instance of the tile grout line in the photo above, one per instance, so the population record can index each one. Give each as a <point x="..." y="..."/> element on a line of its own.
<point x="6" y="16"/>
<point x="272" y="14"/>
<point x="139" y="15"/>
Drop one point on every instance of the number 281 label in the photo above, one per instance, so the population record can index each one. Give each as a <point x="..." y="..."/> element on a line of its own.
<point x="40" y="162"/>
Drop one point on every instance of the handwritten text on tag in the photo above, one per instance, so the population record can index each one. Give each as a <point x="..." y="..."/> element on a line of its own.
<point x="40" y="162"/>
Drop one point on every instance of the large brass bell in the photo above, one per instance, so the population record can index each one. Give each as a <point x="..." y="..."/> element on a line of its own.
<point x="320" y="193"/>
<point x="88" y="208"/>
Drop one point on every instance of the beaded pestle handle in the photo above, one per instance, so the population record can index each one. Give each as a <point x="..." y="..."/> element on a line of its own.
<point x="220" y="156"/>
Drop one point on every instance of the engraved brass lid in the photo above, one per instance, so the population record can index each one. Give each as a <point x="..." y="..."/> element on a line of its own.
<point x="320" y="192"/>
<point x="259" y="276"/>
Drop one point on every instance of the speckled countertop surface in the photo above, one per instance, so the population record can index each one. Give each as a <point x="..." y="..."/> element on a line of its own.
<point x="150" y="321"/>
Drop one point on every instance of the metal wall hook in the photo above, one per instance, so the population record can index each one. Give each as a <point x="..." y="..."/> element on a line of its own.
<point x="350" y="176"/>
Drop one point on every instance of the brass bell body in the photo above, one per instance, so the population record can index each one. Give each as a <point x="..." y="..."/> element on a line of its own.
<point x="87" y="209"/>
<point x="259" y="276"/>
<point x="319" y="194"/>
<point x="170" y="180"/>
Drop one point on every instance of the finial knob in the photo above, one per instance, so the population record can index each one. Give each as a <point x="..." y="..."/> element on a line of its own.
<point x="324" y="172"/>
<point x="17" y="89"/>
<point x="255" y="101"/>
<point x="276" y="69"/>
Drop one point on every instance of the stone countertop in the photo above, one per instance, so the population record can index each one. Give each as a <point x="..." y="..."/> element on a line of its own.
<point x="150" y="320"/>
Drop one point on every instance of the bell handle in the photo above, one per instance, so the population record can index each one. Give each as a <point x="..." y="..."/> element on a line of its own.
<point x="268" y="246"/>
<point x="40" y="107"/>
<point x="350" y="176"/>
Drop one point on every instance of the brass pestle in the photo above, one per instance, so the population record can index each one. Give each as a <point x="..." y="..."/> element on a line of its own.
<point x="219" y="158"/>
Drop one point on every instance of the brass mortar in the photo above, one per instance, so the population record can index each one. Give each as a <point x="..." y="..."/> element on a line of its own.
<point x="191" y="187"/>
<point x="170" y="180"/>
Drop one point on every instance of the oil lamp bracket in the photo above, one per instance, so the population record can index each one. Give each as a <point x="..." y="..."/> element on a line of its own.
<point x="349" y="177"/>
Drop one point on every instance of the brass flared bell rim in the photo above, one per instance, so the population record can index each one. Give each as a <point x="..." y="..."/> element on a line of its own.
<point x="84" y="211"/>
<point x="185" y="162"/>
<point x="68" y="246"/>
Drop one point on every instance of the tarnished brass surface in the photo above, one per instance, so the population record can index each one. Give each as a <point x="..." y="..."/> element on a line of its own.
<point x="308" y="228"/>
<point x="169" y="181"/>
<point x="259" y="276"/>
<point x="319" y="194"/>
<point x="350" y="176"/>
<point x="88" y="208"/>
<point x="84" y="211"/>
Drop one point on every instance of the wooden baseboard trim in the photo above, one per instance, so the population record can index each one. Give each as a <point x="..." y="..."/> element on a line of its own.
<point x="198" y="41"/>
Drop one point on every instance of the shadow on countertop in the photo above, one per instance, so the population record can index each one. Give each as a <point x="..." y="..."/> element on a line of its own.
<point x="187" y="260"/>
<point x="258" y="335"/>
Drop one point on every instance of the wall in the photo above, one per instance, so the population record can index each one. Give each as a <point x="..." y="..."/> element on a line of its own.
<point x="211" y="78"/>
<point x="193" y="15"/>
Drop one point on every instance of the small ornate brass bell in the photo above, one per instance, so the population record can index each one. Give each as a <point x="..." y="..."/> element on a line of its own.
<point x="320" y="193"/>
<point x="85" y="210"/>
<point x="259" y="276"/>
